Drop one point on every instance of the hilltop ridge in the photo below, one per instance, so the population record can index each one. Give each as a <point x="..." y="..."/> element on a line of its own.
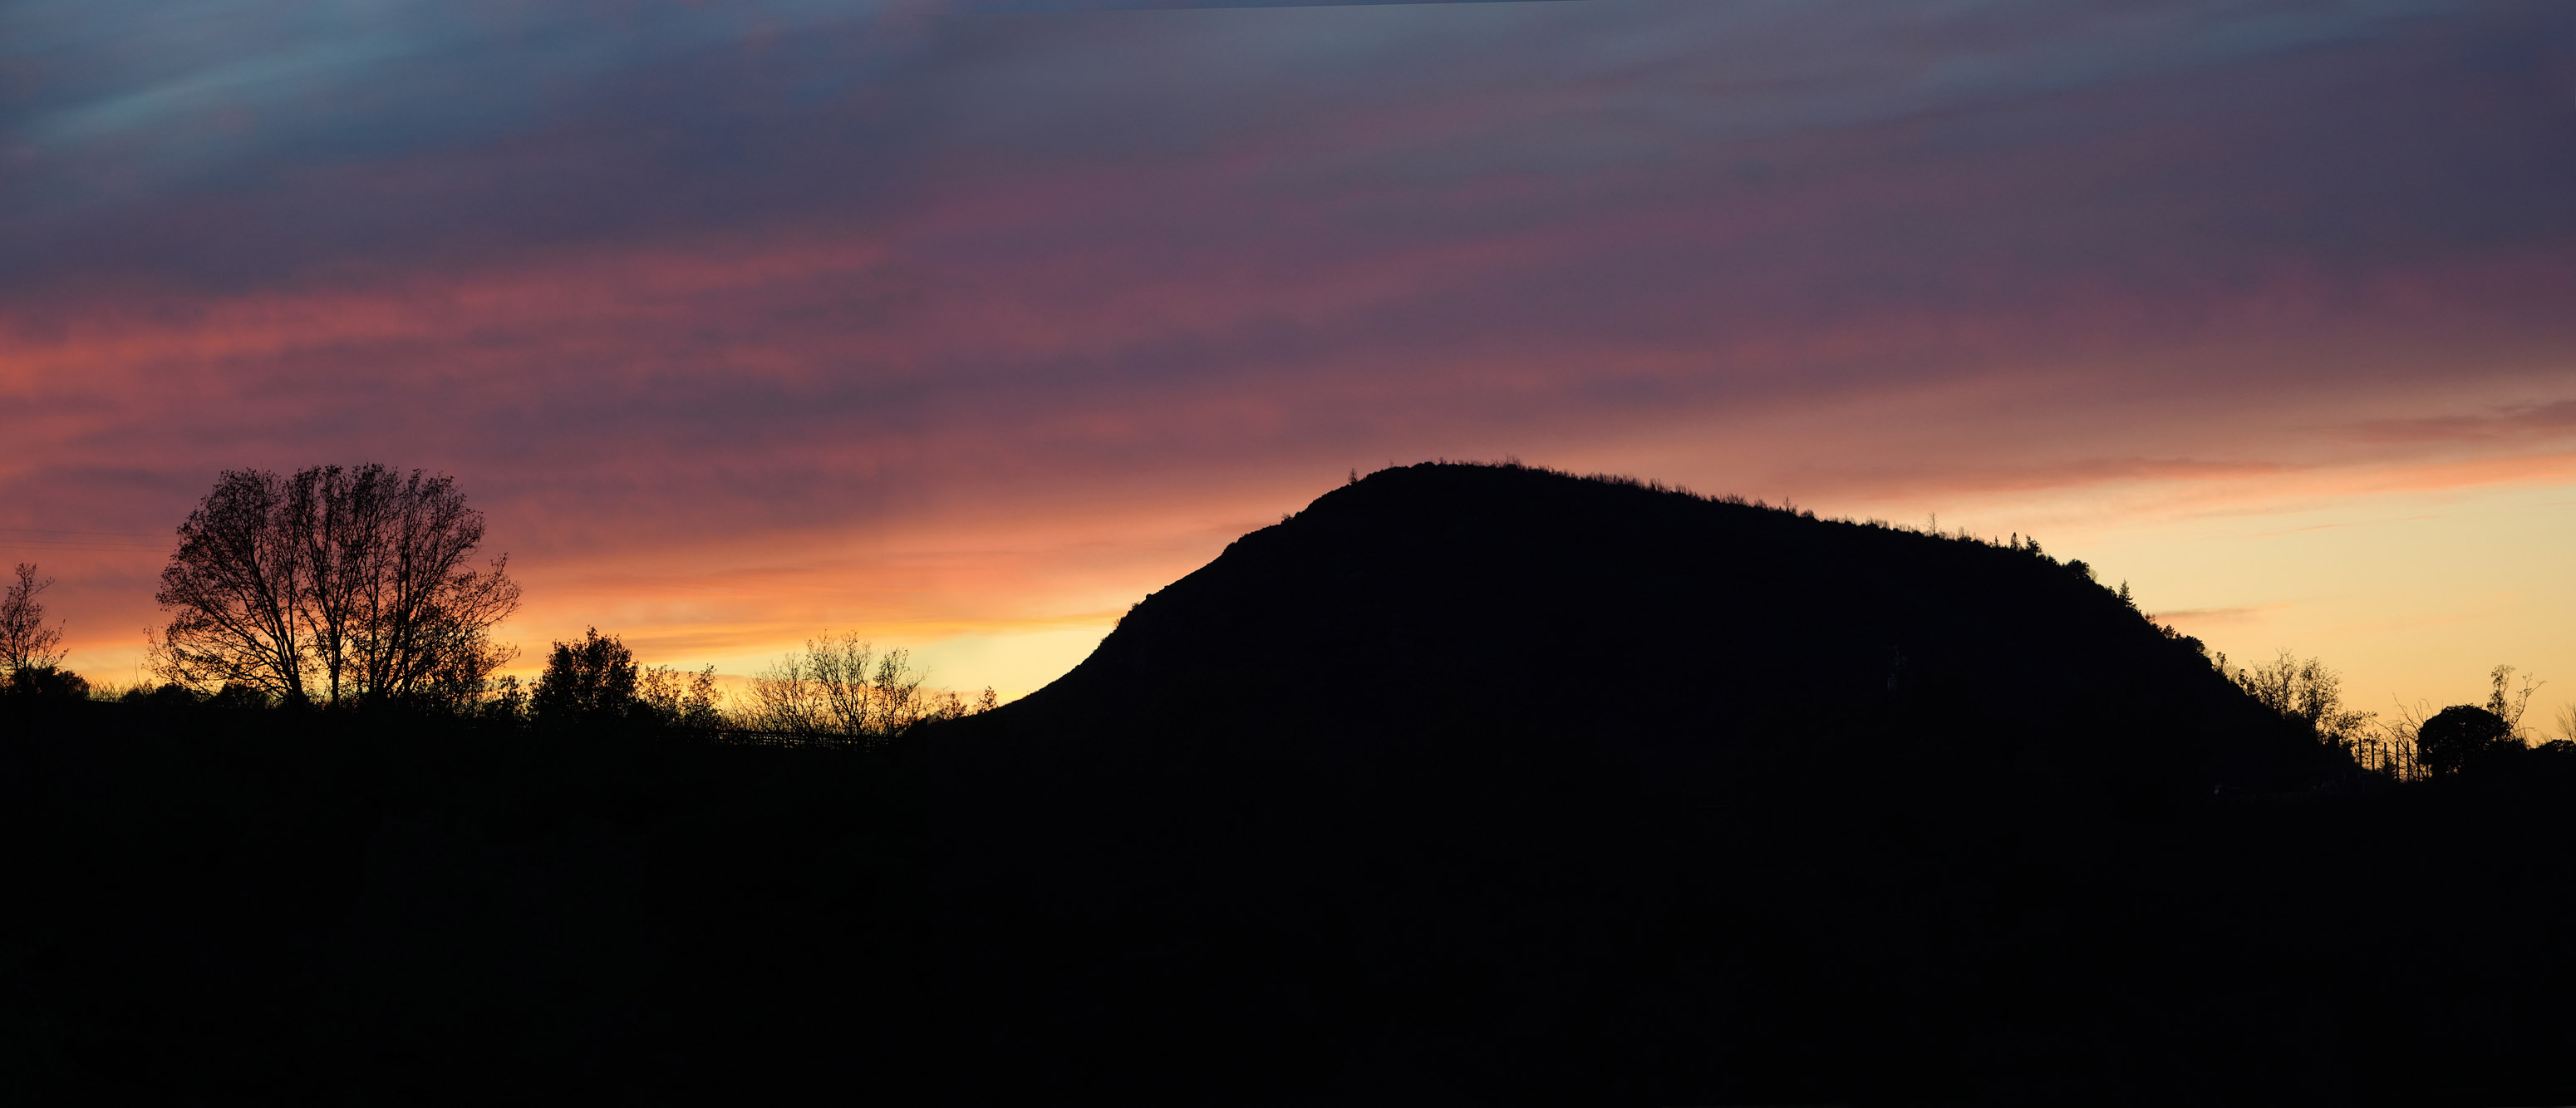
<point x="1494" y="783"/>
<point x="1449" y="598"/>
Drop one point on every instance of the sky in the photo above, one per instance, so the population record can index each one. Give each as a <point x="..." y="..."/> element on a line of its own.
<point x="964" y="325"/>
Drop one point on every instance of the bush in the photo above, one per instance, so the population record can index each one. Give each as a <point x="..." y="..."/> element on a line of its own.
<point x="2459" y="735"/>
<point x="51" y="682"/>
<point x="593" y="680"/>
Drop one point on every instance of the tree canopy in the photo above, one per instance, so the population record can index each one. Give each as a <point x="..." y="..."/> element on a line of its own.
<point x="333" y="584"/>
<point x="2457" y="735"/>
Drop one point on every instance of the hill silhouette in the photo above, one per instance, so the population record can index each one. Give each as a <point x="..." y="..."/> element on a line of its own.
<point x="1442" y="601"/>
<point x="1493" y="784"/>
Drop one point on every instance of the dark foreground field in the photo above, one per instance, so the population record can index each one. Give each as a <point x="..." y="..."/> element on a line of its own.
<point x="1466" y="785"/>
<point x="228" y="905"/>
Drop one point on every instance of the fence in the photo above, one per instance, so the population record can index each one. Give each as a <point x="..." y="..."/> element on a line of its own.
<point x="2391" y="756"/>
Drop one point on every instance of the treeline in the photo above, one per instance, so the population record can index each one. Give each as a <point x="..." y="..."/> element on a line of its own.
<point x="836" y="687"/>
<point x="351" y="586"/>
<point x="355" y="588"/>
<point x="2414" y="742"/>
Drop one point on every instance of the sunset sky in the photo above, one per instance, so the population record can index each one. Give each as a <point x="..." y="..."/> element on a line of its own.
<point x="965" y="325"/>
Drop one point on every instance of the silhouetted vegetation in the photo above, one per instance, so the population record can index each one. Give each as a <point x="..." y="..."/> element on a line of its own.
<point x="333" y="584"/>
<point x="597" y="681"/>
<point x="839" y="687"/>
<point x="26" y="640"/>
<point x="2309" y="696"/>
<point x="1465" y="784"/>
<point x="590" y="681"/>
<point x="2459" y="735"/>
<point x="31" y="651"/>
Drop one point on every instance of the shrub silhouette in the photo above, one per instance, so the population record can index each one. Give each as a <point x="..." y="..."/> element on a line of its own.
<point x="167" y="696"/>
<point x="674" y="698"/>
<point x="593" y="680"/>
<point x="46" y="681"/>
<point x="2460" y="735"/>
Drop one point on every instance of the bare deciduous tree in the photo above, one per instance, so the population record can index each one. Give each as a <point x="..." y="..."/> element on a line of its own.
<point x="26" y="643"/>
<point x="334" y="584"/>
<point x="2507" y="702"/>
<point x="2307" y="691"/>
<point x="681" y="699"/>
<point x="232" y="587"/>
<point x="840" y="686"/>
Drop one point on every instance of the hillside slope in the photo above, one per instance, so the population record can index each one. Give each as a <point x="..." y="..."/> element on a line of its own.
<point x="1491" y="783"/>
<point x="1486" y="604"/>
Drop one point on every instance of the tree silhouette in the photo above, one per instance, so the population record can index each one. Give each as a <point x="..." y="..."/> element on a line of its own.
<point x="840" y="686"/>
<point x="592" y="680"/>
<point x="333" y="584"/>
<point x="2307" y="692"/>
<point x="46" y="681"/>
<point x="25" y="642"/>
<point x="2508" y="702"/>
<point x="2457" y="735"/>
<point x="681" y="699"/>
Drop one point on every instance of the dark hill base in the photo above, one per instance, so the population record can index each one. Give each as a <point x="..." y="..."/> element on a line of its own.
<point x="1492" y="784"/>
